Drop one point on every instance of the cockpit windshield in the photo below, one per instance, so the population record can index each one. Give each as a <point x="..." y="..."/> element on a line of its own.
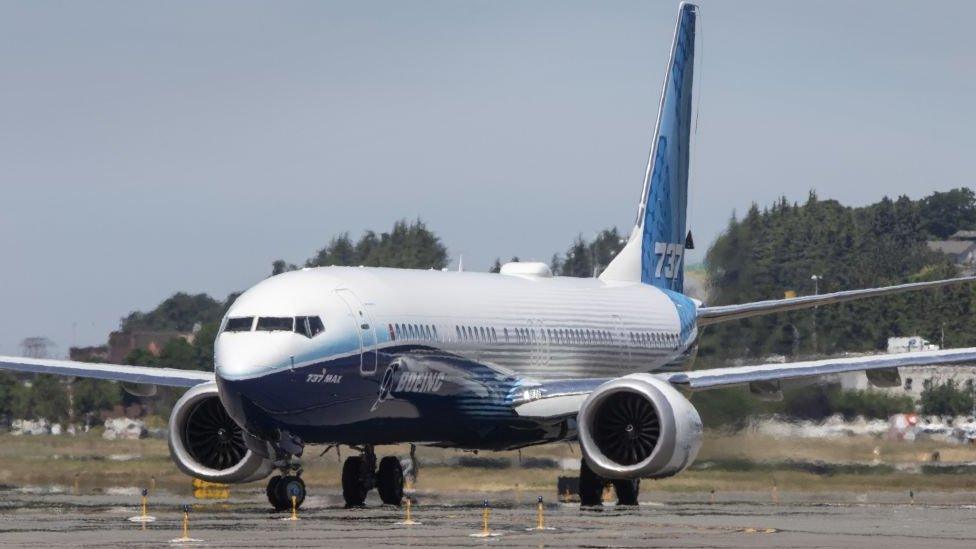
<point x="308" y="326"/>
<point x="239" y="324"/>
<point x="275" y="324"/>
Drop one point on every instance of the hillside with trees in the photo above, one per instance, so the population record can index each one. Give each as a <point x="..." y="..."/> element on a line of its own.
<point x="775" y="250"/>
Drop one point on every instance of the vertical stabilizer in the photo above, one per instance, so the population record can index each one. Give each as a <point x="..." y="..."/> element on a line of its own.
<point x="655" y="252"/>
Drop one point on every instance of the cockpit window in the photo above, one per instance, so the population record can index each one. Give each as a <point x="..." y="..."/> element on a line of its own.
<point x="301" y="326"/>
<point x="275" y="324"/>
<point x="240" y="324"/>
<point x="308" y="326"/>
<point x="315" y="326"/>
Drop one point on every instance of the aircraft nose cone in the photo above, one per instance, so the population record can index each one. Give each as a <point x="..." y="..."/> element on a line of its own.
<point x="240" y="356"/>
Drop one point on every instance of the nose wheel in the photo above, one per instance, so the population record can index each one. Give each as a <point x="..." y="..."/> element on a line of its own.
<point x="281" y="490"/>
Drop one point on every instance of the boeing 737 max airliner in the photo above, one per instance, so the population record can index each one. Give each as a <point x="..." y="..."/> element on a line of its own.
<point x="370" y="356"/>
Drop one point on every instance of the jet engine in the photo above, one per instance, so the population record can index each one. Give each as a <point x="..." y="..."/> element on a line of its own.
<point x="638" y="426"/>
<point x="205" y="442"/>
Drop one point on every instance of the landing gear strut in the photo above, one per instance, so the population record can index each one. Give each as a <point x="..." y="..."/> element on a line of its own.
<point x="359" y="476"/>
<point x="591" y="488"/>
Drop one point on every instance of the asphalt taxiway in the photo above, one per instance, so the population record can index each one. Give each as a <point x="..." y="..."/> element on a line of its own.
<point x="37" y="518"/>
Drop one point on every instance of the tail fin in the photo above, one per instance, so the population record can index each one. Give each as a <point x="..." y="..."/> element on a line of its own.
<point x="655" y="252"/>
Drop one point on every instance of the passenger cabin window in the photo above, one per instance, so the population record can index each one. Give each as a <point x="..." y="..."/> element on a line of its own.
<point x="239" y="324"/>
<point x="275" y="324"/>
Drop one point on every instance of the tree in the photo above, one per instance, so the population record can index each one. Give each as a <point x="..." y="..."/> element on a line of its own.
<point x="408" y="246"/>
<point x="14" y="397"/>
<point x="47" y="399"/>
<point x="587" y="259"/>
<point x="177" y="313"/>
<point x="943" y="213"/>
<point x="777" y="249"/>
<point x="279" y="266"/>
<point x="947" y="399"/>
<point x="94" y="395"/>
<point x="203" y="347"/>
<point x="37" y="347"/>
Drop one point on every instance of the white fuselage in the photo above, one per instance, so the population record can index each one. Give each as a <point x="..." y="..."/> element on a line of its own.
<point x="536" y="326"/>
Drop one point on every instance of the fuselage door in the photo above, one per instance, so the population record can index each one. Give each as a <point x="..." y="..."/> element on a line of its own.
<point x="363" y="325"/>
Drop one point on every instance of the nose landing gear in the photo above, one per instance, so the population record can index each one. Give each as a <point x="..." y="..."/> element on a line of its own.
<point x="359" y="475"/>
<point x="281" y="490"/>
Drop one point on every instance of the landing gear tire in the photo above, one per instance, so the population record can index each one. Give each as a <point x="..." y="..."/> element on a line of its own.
<point x="354" y="487"/>
<point x="281" y="489"/>
<point x="627" y="490"/>
<point x="272" y="491"/>
<point x="389" y="481"/>
<point x="590" y="486"/>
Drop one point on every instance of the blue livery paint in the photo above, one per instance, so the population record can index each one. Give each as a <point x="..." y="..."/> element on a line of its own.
<point x="418" y="393"/>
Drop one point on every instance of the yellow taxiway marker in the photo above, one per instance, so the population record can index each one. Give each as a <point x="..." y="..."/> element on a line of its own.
<point x="143" y="517"/>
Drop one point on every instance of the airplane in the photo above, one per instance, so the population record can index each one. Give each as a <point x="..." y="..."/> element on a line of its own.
<point x="366" y="357"/>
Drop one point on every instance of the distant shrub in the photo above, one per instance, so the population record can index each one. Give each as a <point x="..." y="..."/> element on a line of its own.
<point x="947" y="399"/>
<point x="870" y="404"/>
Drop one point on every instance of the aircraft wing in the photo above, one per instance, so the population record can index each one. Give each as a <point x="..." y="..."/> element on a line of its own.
<point x="145" y="375"/>
<point x="717" y="378"/>
<point x="722" y="313"/>
<point x="563" y="398"/>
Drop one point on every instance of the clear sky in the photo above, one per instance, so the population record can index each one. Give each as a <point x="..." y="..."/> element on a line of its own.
<point x="147" y="148"/>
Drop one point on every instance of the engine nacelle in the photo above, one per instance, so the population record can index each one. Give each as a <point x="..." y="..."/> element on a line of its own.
<point x="206" y="443"/>
<point x="638" y="426"/>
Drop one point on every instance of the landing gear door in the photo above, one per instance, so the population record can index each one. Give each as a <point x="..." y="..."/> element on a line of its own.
<point x="364" y="329"/>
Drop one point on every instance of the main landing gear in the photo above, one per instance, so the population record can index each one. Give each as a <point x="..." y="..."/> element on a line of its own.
<point x="591" y="488"/>
<point x="360" y="475"/>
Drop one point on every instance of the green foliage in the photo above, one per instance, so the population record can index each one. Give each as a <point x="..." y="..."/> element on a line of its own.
<point x="93" y="395"/>
<point x="778" y="249"/>
<point x="407" y="246"/>
<point x="942" y="214"/>
<point x="725" y="407"/>
<point x="177" y="313"/>
<point x="14" y="397"/>
<point x="586" y="259"/>
<point x="870" y="404"/>
<point x="46" y="397"/>
<point x="732" y="407"/>
<point x="946" y="399"/>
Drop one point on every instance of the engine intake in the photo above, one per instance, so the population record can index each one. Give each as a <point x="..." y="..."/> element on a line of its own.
<point x="638" y="426"/>
<point x="206" y="443"/>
